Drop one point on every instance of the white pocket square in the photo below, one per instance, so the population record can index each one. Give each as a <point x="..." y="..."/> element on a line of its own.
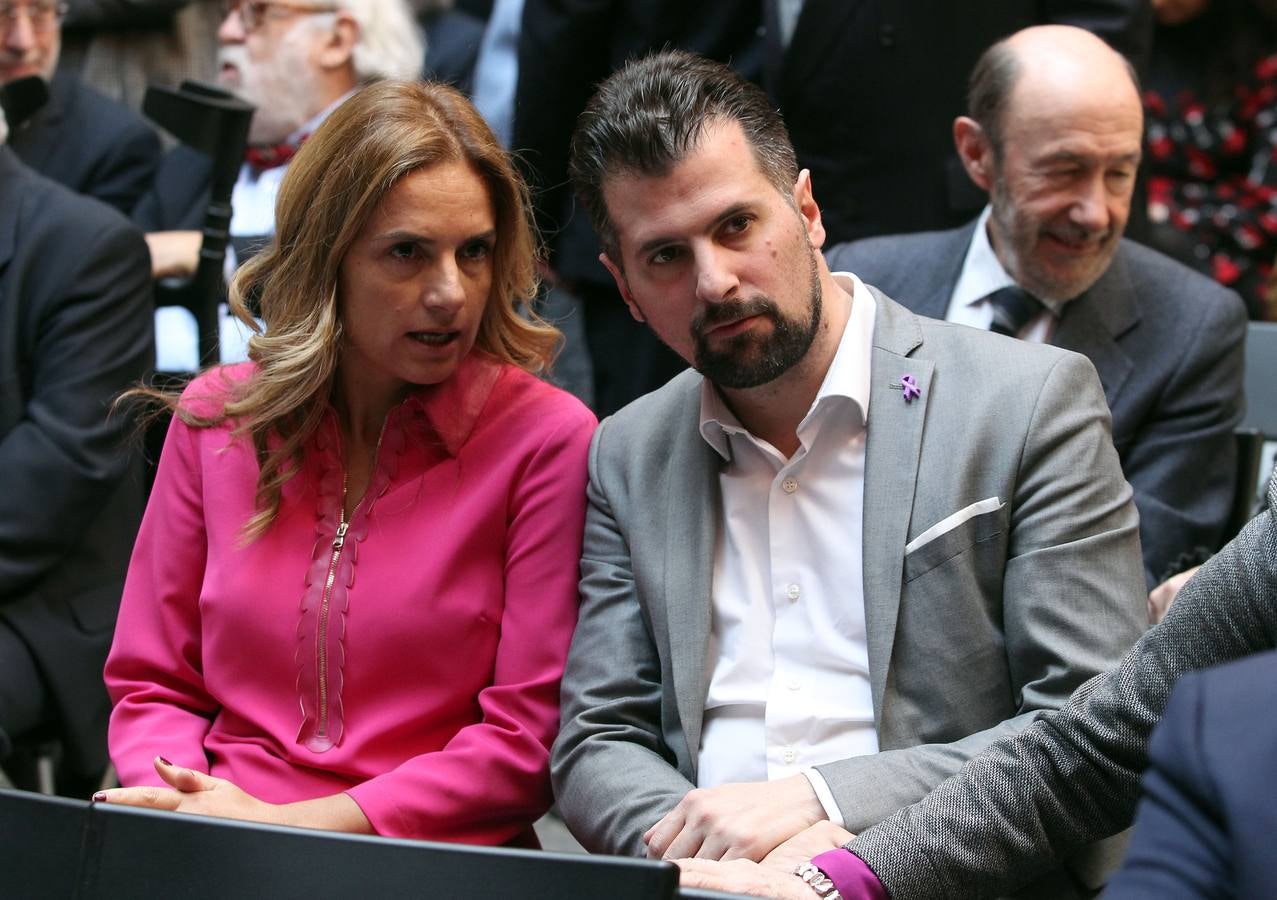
<point x="948" y="523"/>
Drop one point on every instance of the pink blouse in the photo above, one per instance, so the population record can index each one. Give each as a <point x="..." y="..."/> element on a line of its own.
<point x="414" y="661"/>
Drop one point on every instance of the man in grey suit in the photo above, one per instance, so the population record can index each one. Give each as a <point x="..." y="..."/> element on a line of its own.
<point x="1071" y="777"/>
<point x="1057" y="155"/>
<point x="845" y="554"/>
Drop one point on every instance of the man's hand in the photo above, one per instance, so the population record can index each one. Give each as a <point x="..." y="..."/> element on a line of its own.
<point x="174" y="254"/>
<point x="741" y="876"/>
<point x="735" y="820"/>
<point x="800" y="848"/>
<point x="1162" y="596"/>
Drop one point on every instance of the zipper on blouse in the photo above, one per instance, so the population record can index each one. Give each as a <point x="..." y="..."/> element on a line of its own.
<point x="339" y="543"/>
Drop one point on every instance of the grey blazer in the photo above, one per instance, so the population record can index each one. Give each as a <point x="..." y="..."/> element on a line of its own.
<point x="1167" y="344"/>
<point x="1074" y="775"/>
<point x="970" y="636"/>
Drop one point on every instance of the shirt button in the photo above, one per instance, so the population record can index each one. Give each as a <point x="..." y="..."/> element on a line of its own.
<point x="789" y="755"/>
<point x="789" y="485"/>
<point x="792" y="592"/>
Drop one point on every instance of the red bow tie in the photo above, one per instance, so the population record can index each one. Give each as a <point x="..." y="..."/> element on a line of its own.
<point x="261" y="157"/>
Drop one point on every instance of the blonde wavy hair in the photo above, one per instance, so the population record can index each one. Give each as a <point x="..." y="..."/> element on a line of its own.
<point x="332" y="186"/>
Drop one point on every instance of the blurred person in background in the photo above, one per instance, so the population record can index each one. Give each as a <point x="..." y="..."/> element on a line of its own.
<point x="75" y="330"/>
<point x="79" y="138"/>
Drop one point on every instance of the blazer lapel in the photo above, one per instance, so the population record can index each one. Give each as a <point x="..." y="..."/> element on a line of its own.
<point x="691" y="502"/>
<point x="892" y="449"/>
<point x="1092" y="323"/>
<point x="37" y="137"/>
<point x="938" y="278"/>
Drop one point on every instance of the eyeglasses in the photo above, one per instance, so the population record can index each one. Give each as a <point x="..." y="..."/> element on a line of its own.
<point x="42" y="16"/>
<point x="253" y="12"/>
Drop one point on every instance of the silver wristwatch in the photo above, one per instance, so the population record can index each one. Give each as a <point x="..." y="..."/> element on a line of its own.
<point x="818" y="881"/>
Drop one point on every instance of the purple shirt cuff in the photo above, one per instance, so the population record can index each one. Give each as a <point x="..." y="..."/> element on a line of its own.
<point x="850" y="874"/>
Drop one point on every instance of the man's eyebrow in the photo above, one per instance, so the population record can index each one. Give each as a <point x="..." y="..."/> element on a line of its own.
<point x="659" y="241"/>
<point x="1072" y="156"/>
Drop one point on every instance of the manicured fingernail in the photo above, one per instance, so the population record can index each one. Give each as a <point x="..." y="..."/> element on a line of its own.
<point x="164" y="761"/>
<point x="99" y="797"/>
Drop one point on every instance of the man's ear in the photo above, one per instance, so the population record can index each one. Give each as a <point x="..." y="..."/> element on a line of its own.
<point x="338" y="49"/>
<point x="975" y="150"/>
<point x="623" y="286"/>
<point x="805" y="203"/>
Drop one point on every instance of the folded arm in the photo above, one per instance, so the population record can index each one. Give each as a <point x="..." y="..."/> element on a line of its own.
<point x="1073" y="777"/>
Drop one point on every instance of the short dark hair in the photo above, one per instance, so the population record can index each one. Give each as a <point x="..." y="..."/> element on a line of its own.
<point x="989" y="89"/>
<point x="648" y="115"/>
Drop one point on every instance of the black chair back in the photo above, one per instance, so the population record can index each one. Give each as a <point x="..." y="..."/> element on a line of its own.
<point x="214" y="122"/>
<point x="40" y="845"/>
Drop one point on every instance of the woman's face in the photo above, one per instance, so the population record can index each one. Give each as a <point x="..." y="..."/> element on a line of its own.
<point x="414" y="284"/>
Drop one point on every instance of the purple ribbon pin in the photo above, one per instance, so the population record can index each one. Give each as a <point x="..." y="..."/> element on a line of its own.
<point x="910" y="388"/>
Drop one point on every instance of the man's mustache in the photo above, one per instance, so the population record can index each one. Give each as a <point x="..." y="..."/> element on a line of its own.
<point x="728" y="311"/>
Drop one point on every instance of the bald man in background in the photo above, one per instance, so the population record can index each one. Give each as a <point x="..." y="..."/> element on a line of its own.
<point x="1054" y="138"/>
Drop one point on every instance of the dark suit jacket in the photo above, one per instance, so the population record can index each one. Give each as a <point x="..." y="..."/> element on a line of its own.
<point x="1168" y="345"/>
<point x="1073" y="776"/>
<point x="565" y="50"/>
<point x="452" y="47"/>
<point x="870" y="88"/>
<point x="89" y="143"/>
<point x="178" y="198"/>
<point x="1205" y="826"/>
<point x="75" y="329"/>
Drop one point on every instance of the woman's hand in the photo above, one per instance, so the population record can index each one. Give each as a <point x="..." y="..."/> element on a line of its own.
<point x="742" y="876"/>
<point x="194" y="792"/>
<point x="800" y="848"/>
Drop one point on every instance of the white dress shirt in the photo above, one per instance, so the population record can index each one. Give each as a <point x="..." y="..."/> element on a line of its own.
<point x="982" y="274"/>
<point x="789" y="687"/>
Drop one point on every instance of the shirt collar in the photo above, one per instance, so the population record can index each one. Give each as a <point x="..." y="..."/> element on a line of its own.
<point x="309" y="128"/>
<point x="847" y="377"/>
<point x="249" y="174"/>
<point x="982" y="271"/>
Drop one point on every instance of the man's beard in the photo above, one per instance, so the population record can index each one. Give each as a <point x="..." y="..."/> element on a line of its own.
<point x="746" y="361"/>
<point x="1022" y="233"/>
<point x="279" y="87"/>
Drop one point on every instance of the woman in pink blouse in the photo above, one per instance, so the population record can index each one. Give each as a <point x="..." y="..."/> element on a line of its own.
<point x="352" y="594"/>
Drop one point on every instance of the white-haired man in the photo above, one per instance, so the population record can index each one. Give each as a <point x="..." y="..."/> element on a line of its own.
<point x="296" y="61"/>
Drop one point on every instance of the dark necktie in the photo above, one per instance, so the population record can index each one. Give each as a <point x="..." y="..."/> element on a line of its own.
<point x="1013" y="308"/>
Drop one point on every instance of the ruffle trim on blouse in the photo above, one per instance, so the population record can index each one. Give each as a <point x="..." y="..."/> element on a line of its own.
<point x="443" y="414"/>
